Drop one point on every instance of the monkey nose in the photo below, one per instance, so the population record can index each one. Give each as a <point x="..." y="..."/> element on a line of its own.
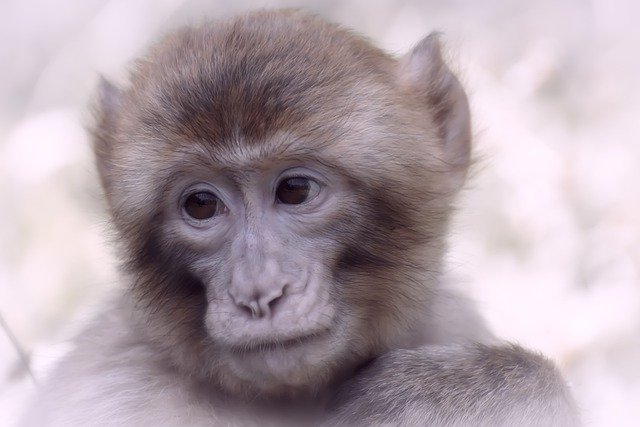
<point x="257" y="305"/>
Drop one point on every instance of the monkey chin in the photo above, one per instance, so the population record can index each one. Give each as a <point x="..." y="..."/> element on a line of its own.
<point x="290" y="369"/>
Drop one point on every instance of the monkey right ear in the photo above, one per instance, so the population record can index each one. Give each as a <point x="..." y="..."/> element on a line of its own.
<point x="424" y="72"/>
<point x="109" y="103"/>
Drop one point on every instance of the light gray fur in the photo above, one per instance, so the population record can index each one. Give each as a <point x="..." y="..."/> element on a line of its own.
<point x="331" y="311"/>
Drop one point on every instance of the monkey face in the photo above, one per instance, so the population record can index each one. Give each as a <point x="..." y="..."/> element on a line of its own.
<point x="280" y="188"/>
<point x="289" y="248"/>
<point x="261" y="238"/>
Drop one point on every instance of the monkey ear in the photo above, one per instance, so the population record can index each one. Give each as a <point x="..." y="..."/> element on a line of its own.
<point x="107" y="108"/>
<point x="424" y="72"/>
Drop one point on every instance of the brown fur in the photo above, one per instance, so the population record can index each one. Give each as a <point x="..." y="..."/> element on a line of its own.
<point x="273" y="88"/>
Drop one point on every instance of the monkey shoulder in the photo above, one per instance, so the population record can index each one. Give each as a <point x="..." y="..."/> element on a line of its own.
<point x="472" y="384"/>
<point x="113" y="376"/>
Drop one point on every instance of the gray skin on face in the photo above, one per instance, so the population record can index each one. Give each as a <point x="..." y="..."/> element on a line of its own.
<point x="281" y="190"/>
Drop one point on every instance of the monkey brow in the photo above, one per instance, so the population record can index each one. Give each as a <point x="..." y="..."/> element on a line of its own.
<point x="224" y="163"/>
<point x="237" y="154"/>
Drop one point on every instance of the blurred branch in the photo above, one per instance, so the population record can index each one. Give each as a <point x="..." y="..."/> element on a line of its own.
<point x="24" y="358"/>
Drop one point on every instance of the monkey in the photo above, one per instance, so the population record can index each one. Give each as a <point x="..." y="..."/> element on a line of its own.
<point x="281" y="191"/>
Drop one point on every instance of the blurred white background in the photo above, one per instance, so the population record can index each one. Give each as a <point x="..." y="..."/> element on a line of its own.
<point x="548" y="235"/>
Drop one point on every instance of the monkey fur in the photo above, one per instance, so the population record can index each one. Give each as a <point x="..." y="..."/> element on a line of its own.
<point x="281" y="190"/>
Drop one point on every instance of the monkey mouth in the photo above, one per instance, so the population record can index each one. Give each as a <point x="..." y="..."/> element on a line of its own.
<point x="267" y="346"/>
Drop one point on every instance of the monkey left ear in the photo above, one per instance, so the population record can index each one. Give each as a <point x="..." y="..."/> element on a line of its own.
<point x="107" y="108"/>
<point x="425" y="73"/>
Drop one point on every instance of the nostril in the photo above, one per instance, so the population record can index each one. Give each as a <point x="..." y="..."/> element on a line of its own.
<point x="246" y="309"/>
<point x="269" y="302"/>
<point x="272" y="304"/>
<point x="278" y="298"/>
<point x="251" y="309"/>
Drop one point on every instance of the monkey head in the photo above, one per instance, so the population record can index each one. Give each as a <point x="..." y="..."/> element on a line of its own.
<point x="280" y="188"/>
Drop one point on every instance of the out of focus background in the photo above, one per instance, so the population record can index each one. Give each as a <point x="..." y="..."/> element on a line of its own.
<point x="547" y="239"/>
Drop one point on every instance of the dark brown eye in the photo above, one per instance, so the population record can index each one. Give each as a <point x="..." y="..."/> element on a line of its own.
<point x="202" y="205"/>
<point x="296" y="190"/>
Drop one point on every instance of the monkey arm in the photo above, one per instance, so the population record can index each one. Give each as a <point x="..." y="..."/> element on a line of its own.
<point x="502" y="385"/>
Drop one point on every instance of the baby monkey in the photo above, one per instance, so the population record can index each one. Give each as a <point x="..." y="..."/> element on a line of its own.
<point x="281" y="191"/>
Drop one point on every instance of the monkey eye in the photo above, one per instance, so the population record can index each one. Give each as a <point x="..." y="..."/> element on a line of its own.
<point x="296" y="190"/>
<point x="203" y="205"/>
